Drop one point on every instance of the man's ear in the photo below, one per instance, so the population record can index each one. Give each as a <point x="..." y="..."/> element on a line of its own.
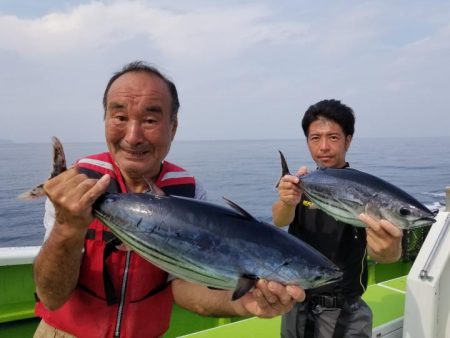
<point x="348" y="141"/>
<point x="174" y="128"/>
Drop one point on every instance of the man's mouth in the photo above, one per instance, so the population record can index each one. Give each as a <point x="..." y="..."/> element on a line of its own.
<point x="135" y="153"/>
<point x="325" y="158"/>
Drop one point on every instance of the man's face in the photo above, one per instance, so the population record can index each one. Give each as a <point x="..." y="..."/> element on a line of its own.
<point x="138" y="125"/>
<point x="327" y="143"/>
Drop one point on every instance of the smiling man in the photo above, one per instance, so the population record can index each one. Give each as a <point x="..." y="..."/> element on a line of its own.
<point x="89" y="287"/>
<point x="336" y="311"/>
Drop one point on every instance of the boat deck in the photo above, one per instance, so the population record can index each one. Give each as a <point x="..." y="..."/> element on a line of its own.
<point x="386" y="299"/>
<point x="17" y="315"/>
<point x="17" y="302"/>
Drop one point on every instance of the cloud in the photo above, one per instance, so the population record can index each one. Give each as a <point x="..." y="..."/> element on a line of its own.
<point x="349" y="29"/>
<point x="214" y="31"/>
<point x="244" y="69"/>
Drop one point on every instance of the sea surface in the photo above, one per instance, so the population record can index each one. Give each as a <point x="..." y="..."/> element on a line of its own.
<point x="243" y="171"/>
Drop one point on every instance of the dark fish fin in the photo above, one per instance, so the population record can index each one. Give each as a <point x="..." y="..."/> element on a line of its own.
<point x="239" y="209"/>
<point x="59" y="165"/>
<point x="372" y="211"/>
<point x="284" y="168"/>
<point x="36" y="192"/>
<point x="59" y="158"/>
<point x="244" y="285"/>
<point x="153" y="188"/>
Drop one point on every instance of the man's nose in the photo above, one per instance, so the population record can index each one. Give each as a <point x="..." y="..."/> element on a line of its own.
<point x="134" y="133"/>
<point x="324" y="144"/>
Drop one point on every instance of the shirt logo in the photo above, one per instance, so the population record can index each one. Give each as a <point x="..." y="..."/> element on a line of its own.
<point x="309" y="204"/>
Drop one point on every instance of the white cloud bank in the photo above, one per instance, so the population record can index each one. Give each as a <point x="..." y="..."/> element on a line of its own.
<point x="243" y="70"/>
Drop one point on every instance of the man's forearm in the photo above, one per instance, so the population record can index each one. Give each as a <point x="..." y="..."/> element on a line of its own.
<point x="388" y="256"/>
<point x="282" y="214"/>
<point x="56" y="268"/>
<point x="204" y="301"/>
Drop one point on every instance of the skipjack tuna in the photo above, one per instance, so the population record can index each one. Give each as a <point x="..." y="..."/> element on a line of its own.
<point x="205" y="243"/>
<point x="346" y="193"/>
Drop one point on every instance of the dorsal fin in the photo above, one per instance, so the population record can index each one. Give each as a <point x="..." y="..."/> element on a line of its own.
<point x="239" y="209"/>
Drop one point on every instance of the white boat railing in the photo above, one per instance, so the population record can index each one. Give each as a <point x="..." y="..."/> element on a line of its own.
<point x="18" y="255"/>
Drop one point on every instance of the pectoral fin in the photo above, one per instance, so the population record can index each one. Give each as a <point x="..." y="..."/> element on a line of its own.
<point x="213" y="288"/>
<point x="153" y="189"/>
<point x="244" y="285"/>
<point x="374" y="212"/>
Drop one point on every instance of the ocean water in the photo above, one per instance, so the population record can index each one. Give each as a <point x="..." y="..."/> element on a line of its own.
<point x="243" y="171"/>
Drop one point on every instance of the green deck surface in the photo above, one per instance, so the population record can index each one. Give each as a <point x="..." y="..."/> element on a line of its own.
<point x="17" y="293"/>
<point x="253" y="327"/>
<point x="386" y="300"/>
<point x="17" y="307"/>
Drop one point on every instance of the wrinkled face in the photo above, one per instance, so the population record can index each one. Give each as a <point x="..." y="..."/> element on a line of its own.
<point x="327" y="143"/>
<point x="138" y="125"/>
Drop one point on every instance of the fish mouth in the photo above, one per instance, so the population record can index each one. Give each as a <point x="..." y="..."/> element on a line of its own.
<point x="423" y="221"/>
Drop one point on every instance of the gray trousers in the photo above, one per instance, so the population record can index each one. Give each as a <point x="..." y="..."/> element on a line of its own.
<point x="359" y="324"/>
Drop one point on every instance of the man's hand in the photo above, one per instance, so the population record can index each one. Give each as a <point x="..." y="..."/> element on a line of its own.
<point x="288" y="189"/>
<point x="384" y="240"/>
<point x="289" y="195"/>
<point x="270" y="299"/>
<point x="73" y="195"/>
<point x="267" y="299"/>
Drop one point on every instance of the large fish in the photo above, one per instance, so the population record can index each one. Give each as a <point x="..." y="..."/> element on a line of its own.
<point x="346" y="193"/>
<point x="205" y="243"/>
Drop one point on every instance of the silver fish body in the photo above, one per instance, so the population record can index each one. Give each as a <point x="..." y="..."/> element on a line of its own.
<point x="210" y="244"/>
<point x="205" y="243"/>
<point x="346" y="193"/>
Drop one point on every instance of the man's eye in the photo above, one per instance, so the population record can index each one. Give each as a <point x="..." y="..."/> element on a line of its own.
<point x="150" y="121"/>
<point x="117" y="116"/>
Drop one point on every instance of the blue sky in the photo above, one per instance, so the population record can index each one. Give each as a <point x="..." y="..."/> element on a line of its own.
<point x="244" y="69"/>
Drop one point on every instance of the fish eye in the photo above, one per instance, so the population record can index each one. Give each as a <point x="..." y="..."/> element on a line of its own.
<point x="405" y="211"/>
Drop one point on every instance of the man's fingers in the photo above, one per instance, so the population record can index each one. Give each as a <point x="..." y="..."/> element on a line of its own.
<point x="270" y="297"/>
<point x="381" y="227"/>
<point x="391" y="229"/>
<point x="296" y="293"/>
<point x="302" y="171"/>
<point x="280" y="291"/>
<point x="369" y="222"/>
<point x="94" y="191"/>
<point x="289" y="179"/>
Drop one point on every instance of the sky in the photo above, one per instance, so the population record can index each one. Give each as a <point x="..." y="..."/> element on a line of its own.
<point x="243" y="69"/>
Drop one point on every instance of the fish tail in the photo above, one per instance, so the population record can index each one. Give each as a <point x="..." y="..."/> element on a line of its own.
<point x="59" y="165"/>
<point x="59" y="158"/>
<point x="284" y="168"/>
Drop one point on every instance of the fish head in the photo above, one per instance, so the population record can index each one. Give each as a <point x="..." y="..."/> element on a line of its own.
<point x="323" y="276"/>
<point x="408" y="215"/>
<point x="317" y="272"/>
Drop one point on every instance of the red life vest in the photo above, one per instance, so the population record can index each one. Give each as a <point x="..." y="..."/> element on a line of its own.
<point x="119" y="294"/>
